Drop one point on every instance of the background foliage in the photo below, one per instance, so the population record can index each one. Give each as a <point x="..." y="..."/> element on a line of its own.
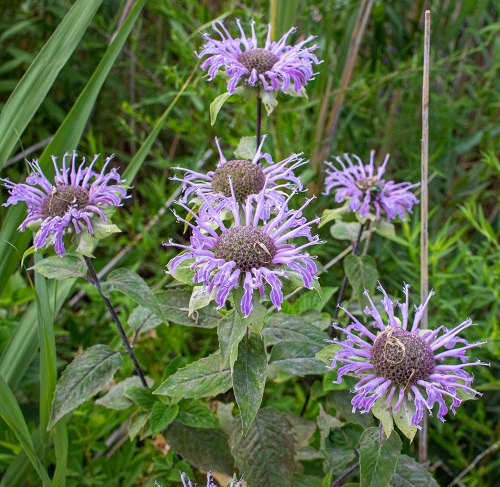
<point x="106" y="98"/>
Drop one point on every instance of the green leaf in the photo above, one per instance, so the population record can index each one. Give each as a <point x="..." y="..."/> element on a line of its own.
<point x="410" y="473"/>
<point x="313" y="301"/>
<point x="362" y="273"/>
<point x="88" y="374"/>
<point x="247" y="148"/>
<point x="326" y="355"/>
<point x="115" y="398"/>
<point x="305" y="481"/>
<point x="137" y="423"/>
<point x="269" y="100"/>
<point x="217" y="104"/>
<point x="162" y="416"/>
<point x="385" y="228"/>
<point x="345" y="230"/>
<point x="56" y="267"/>
<point x="334" y="214"/>
<point x="378" y="457"/>
<point x="231" y="330"/>
<point x="132" y="285"/>
<point x="183" y="272"/>
<point x="249" y="378"/>
<point x="200" y="298"/>
<point x="142" y="396"/>
<point x="383" y="413"/>
<point x="297" y="358"/>
<point x="255" y="320"/>
<point x="291" y="328"/>
<point x="206" y="449"/>
<point x="85" y="242"/>
<point x="265" y="456"/>
<point x="103" y="229"/>
<point x="175" y="306"/>
<point x="195" y="413"/>
<point x="402" y="417"/>
<point x="143" y="319"/>
<point x="199" y="379"/>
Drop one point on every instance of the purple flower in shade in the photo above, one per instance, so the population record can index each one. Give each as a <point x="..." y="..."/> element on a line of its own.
<point x="402" y="363"/>
<point x="366" y="189"/>
<point x="70" y="204"/>
<point x="253" y="253"/>
<point x="246" y="178"/>
<point x="275" y="66"/>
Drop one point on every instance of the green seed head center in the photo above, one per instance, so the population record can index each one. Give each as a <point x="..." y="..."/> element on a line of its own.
<point x="402" y="357"/>
<point x="249" y="247"/>
<point x="62" y="198"/>
<point x="259" y="59"/>
<point x="246" y="177"/>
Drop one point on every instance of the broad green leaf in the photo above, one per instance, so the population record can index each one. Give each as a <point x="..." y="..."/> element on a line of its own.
<point x="249" y="378"/>
<point x="137" y="423"/>
<point x="142" y="396"/>
<point x="231" y="331"/>
<point x="247" y="148"/>
<point x="378" y="457"/>
<point x="305" y="481"/>
<point x="402" y="417"/>
<point x="362" y="273"/>
<point x="85" y="243"/>
<point x="217" y="104"/>
<point x="334" y="214"/>
<point x="313" y="301"/>
<point x="291" y="328"/>
<point x="183" y="272"/>
<point x="383" y="412"/>
<point x="326" y="354"/>
<point x="195" y="413"/>
<point x="255" y="320"/>
<point x="103" y="229"/>
<point x="88" y="374"/>
<point x="302" y="429"/>
<point x="134" y="286"/>
<point x="143" y="319"/>
<point x="115" y="398"/>
<point x="200" y="298"/>
<point x="162" y="416"/>
<point x="297" y="358"/>
<point x="346" y="231"/>
<point x="265" y="456"/>
<point x="410" y="473"/>
<point x="385" y="228"/>
<point x="56" y="267"/>
<point x="199" y="379"/>
<point x="206" y="449"/>
<point x="175" y="306"/>
<point x="11" y="413"/>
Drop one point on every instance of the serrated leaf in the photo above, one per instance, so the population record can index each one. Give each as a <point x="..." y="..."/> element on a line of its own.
<point x="183" y="272"/>
<point x="255" y="320"/>
<point x="402" y="417"/>
<point x="137" y="422"/>
<point x="206" y="449"/>
<point x="162" y="416"/>
<point x="231" y="331"/>
<point x="142" y="396"/>
<point x="175" y="306"/>
<point x="249" y="378"/>
<point x="410" y="473"/>
<point x="291" y="328"/>
<point x="383" y="412"/>
<point x="297" y="358"/>
<point x="247" y="148"/>
<point x="132" y="285"/>
<point x="313" y="301"/>
<point x="269" y="100"/>
<point x="195" y="413"/>
<point x="378" y="457"/>
<point x="200" y="298"/>
<point x="362" y="273"/>
<point x="103" y="229"/>
<point x="265" y="456"/>
<point x="85" y="243"/>
<point x="56" y="267"/>
<point x="143" y="319"/>
<point x="199" y="379"/>
<point x="115" y="398"/>
<point x="88" y="374"/>
<point x="326" y="354"/>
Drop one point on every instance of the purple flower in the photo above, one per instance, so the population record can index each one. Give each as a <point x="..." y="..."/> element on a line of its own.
<point x="275" y="66"/>
<point x="366" y="189"/>
<point x="70" y="204"/>
<point x="187" y="483"/>
<point x="253" y="253"/>
<point x="246" y="178"/>
<point x="401" y="364"/>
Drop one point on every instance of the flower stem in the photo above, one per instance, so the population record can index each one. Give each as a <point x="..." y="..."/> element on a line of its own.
<point x="259" y="119"/>
<point x="130" y="351"/>
<point x="344" y="282"/>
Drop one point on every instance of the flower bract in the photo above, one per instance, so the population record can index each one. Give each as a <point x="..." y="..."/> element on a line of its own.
<point x="70" y="204"/>
<point x="244" y="178"/>
<point x="366" y="188"/>
<point x="276" y="66"/>
<point x="254" y="252"/>
<point x="404" y="364"/>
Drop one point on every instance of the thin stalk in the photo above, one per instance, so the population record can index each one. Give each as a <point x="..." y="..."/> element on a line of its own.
<point x="259" y="119"/>
<point x="344" y="281"/>
<point x="424" y="204"/>
<point x="130" y="351"/>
